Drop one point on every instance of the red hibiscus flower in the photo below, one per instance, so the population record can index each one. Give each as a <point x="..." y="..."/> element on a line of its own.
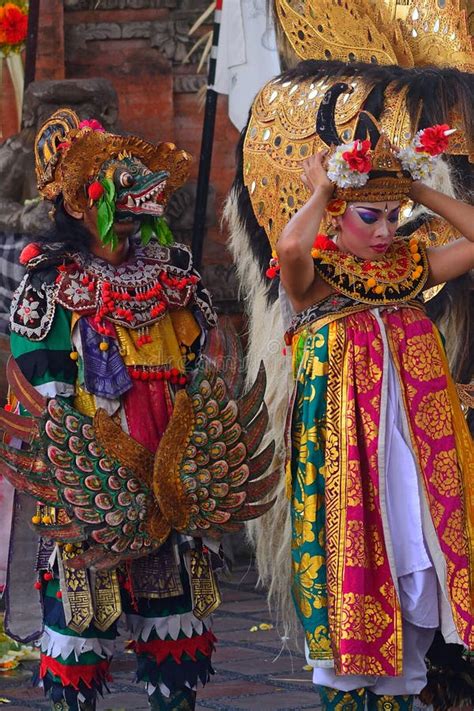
<point x="13" y="24"/>
<point x="358" y="158"/>
<point x="433" y="140"/>
<point x="93" y="124"/>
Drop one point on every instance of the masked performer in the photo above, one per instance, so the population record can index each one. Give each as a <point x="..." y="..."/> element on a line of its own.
<point x="381" y="461"/>
<point x="131" y="446"/>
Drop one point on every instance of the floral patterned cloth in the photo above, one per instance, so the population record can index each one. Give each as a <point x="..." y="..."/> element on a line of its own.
<point x="343" y="565"/>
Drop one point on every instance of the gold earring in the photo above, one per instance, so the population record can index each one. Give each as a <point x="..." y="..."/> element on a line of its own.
<point x="332" y="228"/>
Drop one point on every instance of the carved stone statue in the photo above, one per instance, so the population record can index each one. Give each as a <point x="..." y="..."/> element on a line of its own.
<point x="20" y="212"/>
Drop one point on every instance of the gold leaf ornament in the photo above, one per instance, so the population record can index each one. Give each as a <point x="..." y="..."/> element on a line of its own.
<point x="68" y="157"/>
<point x="404" y="32"/>
<point x="327" y="29"/>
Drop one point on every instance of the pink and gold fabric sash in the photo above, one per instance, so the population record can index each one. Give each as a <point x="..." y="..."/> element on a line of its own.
<point x="363" y="607"/>
<point x="445" y="452"/>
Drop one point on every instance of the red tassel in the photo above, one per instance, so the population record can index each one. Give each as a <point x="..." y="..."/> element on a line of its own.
<point x="29" y="252"/>
<point x="129" y="586"/>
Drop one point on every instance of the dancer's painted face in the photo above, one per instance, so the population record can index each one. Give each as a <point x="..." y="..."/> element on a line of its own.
<point x="367" y="229"/>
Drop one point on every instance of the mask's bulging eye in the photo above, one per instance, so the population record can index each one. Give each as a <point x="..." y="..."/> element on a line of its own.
<point x="126" y="180"/>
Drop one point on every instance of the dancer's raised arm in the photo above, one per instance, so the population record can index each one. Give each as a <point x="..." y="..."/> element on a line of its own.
<point x="295" y="243"/>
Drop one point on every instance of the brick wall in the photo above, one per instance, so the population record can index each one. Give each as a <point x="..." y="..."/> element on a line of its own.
<point x="8" y="116"/>
<point x="50" y="51"/>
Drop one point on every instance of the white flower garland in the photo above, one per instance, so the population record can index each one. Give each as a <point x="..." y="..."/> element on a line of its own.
<point x="419" y="164"/>
<point x="340" y="172"/>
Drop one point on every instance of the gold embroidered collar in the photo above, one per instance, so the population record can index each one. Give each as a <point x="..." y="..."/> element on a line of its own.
<point x="398" y="277"/>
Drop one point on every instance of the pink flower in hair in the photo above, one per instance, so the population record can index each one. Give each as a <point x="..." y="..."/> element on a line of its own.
<point x="93" y="124"/>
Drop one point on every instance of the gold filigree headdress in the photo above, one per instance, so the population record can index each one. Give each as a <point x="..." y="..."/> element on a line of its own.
<point x="283" y="131"/>
<point x="366" y="169"/>
<point x="383" y="177"/>
<point x="371" y="168"/>
<point x="70" y="153"/>
<point x="410" y="33"/>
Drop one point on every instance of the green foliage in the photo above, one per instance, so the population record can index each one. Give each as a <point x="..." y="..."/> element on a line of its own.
<point x="146" y="231"/>
<point x="158" y="228"/>
<point x="109" y="187"/>
<point x="163" y="232"/>
<point x="106" y="214"/>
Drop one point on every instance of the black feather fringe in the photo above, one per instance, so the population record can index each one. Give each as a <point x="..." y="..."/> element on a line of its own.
<point x="58" y="693"/>
<point x="450" y="677"/>
<point x="175" y="675"/>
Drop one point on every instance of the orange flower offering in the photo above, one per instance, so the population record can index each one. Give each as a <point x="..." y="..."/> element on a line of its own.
<point x="13" y="25"/>
<point x="336" y="207"/>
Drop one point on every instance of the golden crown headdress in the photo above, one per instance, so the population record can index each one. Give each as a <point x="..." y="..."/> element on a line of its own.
<point x="366" y="169"/>
<point x="69" y="153"/>
<point x="371" y="168"/>
<point x="410" y="33"/>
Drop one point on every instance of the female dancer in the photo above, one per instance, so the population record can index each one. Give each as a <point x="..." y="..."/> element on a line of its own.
<point x="380" y="455"/>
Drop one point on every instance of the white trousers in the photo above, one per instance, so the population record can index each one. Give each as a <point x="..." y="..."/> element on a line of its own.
<point x="416" y="642"/>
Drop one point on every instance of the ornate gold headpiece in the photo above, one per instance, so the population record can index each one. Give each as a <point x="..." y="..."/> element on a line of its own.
<point x="70" y="153"/>
<point x="404" y="32"/>
<point x="386" y="179"/>
<point x="292" y="119"/>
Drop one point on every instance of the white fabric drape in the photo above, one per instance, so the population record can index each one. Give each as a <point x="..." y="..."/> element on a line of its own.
<point x="247" y="55"/>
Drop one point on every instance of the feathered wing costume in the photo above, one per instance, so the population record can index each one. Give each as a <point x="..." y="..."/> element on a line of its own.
<point x="384" y="61"/>
<point x="119" y="498"/>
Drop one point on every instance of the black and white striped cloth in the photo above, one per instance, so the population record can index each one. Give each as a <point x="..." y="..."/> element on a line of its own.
<point x="11" y="272"/>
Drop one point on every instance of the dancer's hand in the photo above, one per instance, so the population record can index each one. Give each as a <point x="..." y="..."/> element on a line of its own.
<point x="415" y="190"/>
<point x="315" y="176"/>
